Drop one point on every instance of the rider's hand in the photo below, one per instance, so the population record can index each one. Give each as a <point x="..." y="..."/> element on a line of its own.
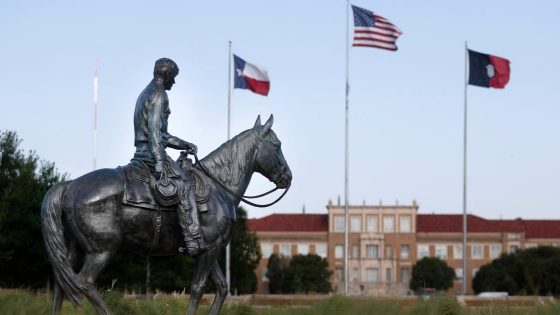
<point x="192" y="149"/>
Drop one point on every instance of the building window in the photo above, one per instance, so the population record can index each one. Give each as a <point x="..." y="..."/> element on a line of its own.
<point x="356" y="223"/>
<point x="321" y="250"/>
<point x="339" y="251"/>
<point x="477" y="251"/>
<point x="372" y="275"/>
<point x="441" y="251"/>
<point x="388" y="275"/>
<point x="495" y="250"/>
<point x="355" y="274"/>
<point x="356" y="251"/>
<point x="459" y="274"/>
<point x="266" y="250"/>
<point x="388" y="224"/>
<point x="423" y="251"/>
<point x="303" y="249"/>
<point x="458" y="251"/>
<point x="286" y="250"/>
<point x="264" y="278"/>
<point x="405" y="275"/>
<point x="405" y="224"/>
<point x="514" y="236"/>
<point x="533" y="245"/>
<point x="338" y="274"/>
<point x="512" y="248"/>
<point x="372" y="224"/>
<point x="339" y="223"/>
<point x="372" y="251"/>
<point x="405" y="251"/>
<point x="388" y="252"/>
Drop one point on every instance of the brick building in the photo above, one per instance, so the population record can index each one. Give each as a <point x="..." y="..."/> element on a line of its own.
<point x="386" y="240"/>
<point x="288" y="234"/>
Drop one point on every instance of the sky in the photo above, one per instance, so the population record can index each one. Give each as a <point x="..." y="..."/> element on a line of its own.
<point x="406" y="108"/>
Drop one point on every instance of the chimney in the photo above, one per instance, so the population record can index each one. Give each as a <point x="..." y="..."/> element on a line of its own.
<point x="303" y="210"/>
<point x="339" y="200"/>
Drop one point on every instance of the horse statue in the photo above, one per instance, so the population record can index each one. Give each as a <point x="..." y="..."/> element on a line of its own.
<point x="85" y="221"/>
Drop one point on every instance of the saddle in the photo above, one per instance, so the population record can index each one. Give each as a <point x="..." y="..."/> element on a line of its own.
<point x="142" y="189"/>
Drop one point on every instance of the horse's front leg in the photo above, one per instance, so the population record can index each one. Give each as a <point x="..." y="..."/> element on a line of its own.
<point x="221" y="289"/>
<point x="203" y="268"/>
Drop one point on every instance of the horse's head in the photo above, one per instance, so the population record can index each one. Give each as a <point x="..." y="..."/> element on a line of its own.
<point x="270" y="161"/>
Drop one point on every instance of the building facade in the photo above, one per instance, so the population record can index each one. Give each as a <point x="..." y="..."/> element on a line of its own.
<point x="385" y="241"/>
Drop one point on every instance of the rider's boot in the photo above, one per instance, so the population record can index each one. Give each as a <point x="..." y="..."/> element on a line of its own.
<point x="188" y="220"/>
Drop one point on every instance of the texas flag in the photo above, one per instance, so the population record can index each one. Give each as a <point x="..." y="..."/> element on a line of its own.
<point x="250" y="76"/>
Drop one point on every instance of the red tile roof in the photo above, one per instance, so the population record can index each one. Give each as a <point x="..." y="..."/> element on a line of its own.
<point x="290" y="223"/>
<point x="442" y="223"/>
<point x="542" y="228"/>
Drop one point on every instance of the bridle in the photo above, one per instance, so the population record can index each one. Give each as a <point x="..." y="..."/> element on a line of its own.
<point x="242" y="198"/>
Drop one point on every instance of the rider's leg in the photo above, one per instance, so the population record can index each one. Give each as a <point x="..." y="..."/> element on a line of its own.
<point x="194" y="227"/>
<point x="188" y="220"/>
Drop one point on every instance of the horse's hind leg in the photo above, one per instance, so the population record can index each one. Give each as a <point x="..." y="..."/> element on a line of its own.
<point x="93" y="264"/>
<point x="221" y="288"/>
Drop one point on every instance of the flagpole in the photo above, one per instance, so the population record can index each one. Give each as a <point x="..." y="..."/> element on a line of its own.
<point x="228" y="247"/>
<point x="465" y="178"/>
<point x="95" y="84"/>
<point x="346" y="155"/>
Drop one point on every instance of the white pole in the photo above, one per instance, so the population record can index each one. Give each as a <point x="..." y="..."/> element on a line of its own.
<point x="346" y="155"/>
<point x="95" y="82"/>
<point x="228" y="247"/>
<point x="465" y="178"/>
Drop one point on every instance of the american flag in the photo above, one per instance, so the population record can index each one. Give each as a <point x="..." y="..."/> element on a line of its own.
<point x="372" y="30"/>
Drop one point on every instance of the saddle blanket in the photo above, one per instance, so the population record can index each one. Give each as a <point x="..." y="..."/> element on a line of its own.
<point x="137" y="190"/>
<point x="138" y="193"/>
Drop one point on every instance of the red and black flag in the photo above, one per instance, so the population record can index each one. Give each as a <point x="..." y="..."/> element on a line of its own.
<point x="487" y="70"/>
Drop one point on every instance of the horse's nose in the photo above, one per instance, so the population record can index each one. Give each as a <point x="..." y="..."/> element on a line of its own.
<point x="288" y="175"/>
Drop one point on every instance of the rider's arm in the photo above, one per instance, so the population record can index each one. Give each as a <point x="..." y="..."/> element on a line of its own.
<point x="155" y="123"/>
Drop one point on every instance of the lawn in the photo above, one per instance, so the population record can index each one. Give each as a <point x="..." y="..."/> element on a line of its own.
<point x="24" y="303"/>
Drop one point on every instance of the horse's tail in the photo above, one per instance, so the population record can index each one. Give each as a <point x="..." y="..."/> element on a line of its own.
<point x="55" y="244"/>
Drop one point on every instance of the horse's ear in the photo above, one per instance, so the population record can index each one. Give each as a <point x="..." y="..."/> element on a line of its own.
<point x="267" y="126"/>
<point x="258" y="122"/>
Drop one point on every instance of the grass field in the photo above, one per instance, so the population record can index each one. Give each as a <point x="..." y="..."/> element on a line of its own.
<point x="24" y="303"/>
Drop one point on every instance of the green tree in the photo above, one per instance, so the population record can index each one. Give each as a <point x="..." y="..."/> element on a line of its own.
<point x="300" y="274"/>
<point x="245" y="255"/>
<point x="534" y="271"/>
<point x="278" y="274"/>
<point x="24" y="180"/>
<point x="431" y="272"/>
<point x="309" y="273"/>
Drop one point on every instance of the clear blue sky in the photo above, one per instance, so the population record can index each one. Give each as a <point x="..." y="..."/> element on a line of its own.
<point x="406" y="108"/>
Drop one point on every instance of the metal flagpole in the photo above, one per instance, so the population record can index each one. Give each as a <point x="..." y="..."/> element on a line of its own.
<point x="465" y="179"/>
<point x="228" y="247"/>
<point x="346" y="168"/>
<point x="95" y="81"/>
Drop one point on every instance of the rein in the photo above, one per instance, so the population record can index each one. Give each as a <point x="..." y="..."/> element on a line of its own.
<point x="242" y="198"/>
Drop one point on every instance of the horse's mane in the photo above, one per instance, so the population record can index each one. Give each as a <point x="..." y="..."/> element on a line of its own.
<point x="228" y="162"/>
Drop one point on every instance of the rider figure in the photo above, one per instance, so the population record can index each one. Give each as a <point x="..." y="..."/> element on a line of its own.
<point x="151" y="138"/>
